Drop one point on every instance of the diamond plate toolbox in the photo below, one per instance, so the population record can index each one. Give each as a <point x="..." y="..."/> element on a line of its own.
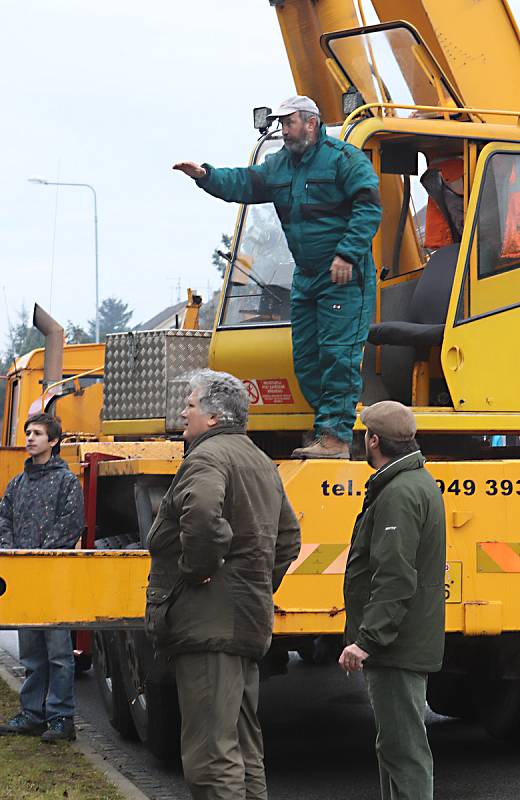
<point x="147" y="373"/>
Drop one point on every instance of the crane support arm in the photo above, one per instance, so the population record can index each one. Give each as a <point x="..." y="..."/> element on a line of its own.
<point x="476" y="44"/>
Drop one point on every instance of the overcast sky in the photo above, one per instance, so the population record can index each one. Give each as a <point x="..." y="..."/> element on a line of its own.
<point x="111" y="93"/>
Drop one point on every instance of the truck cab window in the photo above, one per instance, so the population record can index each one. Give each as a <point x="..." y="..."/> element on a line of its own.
<point x="498" y="215"/>
<point x="259" y="285"/>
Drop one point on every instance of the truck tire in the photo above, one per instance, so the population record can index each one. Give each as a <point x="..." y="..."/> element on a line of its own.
<point x="306" y="651"/>
<point x="320" y="650"/>
<point x="110" y="684"/>
<point x="82" y="663"/>
<point x="450" y="695"/>
<point x="499" y="707"/>
<point x="151" y="695"/>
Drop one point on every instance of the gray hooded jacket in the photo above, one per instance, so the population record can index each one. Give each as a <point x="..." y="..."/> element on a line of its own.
<point x="42" y="508"/>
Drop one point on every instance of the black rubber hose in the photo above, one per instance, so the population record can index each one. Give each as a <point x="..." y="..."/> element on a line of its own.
<point x="400" y="227"/>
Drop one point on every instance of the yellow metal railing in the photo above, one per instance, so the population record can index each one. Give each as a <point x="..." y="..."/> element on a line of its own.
<point x="445" y="110"/>
<point x="75" y="379"/>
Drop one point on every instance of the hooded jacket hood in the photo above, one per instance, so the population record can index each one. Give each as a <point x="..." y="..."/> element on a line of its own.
<point x="36" y="471"/>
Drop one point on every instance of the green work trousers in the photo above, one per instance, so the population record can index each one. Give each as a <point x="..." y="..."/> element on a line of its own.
<point x="221" y="741"/>
<point x="329" y="329"/>
<point x="398" y="698"/>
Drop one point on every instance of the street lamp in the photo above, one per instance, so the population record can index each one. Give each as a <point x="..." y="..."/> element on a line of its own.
<point x="85" y="186"/>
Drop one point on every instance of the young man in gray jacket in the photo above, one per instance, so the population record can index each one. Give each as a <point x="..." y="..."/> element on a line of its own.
<point x="43" y="509"/>
<point x="394" y="597"/>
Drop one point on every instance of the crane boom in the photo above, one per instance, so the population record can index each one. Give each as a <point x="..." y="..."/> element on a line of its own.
<point x="481" y="67"/>
<point x="476" y="44"/>
<point x="301" y="25"/>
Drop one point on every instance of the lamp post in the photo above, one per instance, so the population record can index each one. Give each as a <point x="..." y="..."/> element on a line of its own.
<point x="85" y="186"/>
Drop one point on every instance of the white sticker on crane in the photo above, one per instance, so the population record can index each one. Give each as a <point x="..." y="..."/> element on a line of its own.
<point x="253" y="391"/>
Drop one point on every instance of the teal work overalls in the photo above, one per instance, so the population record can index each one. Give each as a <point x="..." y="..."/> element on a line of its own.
<point x="328" y="204"/>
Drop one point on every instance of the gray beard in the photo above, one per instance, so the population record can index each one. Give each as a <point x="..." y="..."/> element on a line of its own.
<point x="298" y="148"/>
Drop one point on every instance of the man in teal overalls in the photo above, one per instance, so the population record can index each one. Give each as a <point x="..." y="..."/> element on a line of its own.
<point x="326" y="196"/>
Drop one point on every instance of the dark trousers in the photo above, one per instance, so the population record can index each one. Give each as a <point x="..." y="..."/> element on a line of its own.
<point x="221" y="740"/>
<point x="398" y="698"/>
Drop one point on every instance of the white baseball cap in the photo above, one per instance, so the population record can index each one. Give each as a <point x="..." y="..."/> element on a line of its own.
<point x="297" y="103"/>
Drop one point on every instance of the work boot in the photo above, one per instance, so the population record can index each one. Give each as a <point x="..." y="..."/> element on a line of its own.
<point x="326" y="446"/>
<point x="22" y="725"/>
<point x="60" y="729"/>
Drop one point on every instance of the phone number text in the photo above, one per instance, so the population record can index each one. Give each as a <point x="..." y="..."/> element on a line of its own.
<point x="491" y="487"/>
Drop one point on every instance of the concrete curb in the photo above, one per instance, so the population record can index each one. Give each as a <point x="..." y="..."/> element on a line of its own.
<point x="12" y="682"/>
<point x="125" y="786"/>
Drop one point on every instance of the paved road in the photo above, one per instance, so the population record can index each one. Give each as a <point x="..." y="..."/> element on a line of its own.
<point x="319" y="736"/>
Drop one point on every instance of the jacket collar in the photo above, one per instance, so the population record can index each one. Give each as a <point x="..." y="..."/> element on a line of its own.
<point x="220" y="429"/>
<point x="388" y="471"/>
<point x="36" y="471"/>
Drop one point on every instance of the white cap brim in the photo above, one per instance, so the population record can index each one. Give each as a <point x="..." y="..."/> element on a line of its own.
<point x="281" y="112"/>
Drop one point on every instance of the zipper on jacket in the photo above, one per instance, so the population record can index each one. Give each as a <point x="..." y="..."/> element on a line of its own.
<point x="319" y="180"/>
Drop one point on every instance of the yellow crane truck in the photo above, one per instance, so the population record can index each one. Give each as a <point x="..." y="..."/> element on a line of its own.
<point x="443" y="341"/>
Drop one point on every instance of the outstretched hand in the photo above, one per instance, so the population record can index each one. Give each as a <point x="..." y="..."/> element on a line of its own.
<point x="190" y="169"/>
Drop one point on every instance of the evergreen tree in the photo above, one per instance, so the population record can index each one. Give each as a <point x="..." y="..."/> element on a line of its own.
<point x="4" y="366"/>
<point x="75" y="334"/>
<point x="217" y="261"/>
<point x="23" y="337"/>
<point x="114" y="317"/>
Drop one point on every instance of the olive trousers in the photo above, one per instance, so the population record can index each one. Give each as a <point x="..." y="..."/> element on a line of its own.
<point x="329" y="329"/>
<point x="221" y="740"/>
<point x="398" y="698"/>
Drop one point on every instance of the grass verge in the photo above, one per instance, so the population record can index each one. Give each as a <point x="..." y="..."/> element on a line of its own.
<point x="30" y="769"/>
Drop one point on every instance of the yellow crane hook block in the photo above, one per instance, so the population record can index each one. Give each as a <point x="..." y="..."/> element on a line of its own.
<point x="73" y="588"/>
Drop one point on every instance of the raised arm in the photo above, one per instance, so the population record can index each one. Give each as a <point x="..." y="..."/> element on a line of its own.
<point x="234" y="185"/>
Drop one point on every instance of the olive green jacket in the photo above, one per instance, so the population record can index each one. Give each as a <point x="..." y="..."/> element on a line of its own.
<point x="225" y="517"/>
<point x="394" y="579"/>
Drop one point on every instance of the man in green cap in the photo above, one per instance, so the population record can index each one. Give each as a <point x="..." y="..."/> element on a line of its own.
<point x="325" y="193"/>
<point x="394" y="598"/>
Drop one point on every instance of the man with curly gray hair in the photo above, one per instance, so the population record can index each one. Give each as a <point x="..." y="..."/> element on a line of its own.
<point x="222" y="541"/>
<point x="222" y="395"/>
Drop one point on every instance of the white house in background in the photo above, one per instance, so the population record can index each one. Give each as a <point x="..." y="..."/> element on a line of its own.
<point x="170" y="317"/>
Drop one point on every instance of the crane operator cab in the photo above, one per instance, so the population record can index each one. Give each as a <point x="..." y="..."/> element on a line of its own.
<point x="447" y="253"/>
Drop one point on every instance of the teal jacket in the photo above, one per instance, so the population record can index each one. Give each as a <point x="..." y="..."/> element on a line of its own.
<point x="394" y="580"/>
<point x="327" y="200"/>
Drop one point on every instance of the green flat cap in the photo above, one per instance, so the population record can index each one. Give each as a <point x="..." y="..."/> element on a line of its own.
<point x="391" y="420"/>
